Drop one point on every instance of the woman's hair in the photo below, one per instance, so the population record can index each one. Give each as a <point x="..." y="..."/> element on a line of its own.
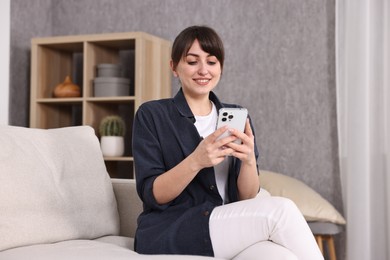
<point x="208" y="40"/>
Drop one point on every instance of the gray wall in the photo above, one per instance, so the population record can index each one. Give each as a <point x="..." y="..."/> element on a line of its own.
<point x="280" y="64"/>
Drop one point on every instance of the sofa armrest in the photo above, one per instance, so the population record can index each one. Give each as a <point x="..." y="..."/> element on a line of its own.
<point x="129" y="205"/>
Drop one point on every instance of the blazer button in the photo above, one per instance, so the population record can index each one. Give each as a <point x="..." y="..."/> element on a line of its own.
<point x="212" y="187"/>
<point x="206" y="213"/>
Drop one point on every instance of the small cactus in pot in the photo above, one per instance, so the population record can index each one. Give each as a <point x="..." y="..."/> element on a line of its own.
<point x="112" y="126"/>
<point x="112" y="130"/>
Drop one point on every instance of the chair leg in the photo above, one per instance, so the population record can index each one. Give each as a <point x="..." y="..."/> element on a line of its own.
<point x="330" y="245"/>
<point x="331" y="248"/>
<point x="320" y="243"/>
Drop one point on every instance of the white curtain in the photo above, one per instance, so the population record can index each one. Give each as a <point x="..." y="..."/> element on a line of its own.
<point x="363" y="93"/>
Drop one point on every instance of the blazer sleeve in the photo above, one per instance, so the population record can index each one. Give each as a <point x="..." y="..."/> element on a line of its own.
<point x="148" y="157"/>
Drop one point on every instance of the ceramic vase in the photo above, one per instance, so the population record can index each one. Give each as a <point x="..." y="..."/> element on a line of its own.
<point x="67" y="89"/>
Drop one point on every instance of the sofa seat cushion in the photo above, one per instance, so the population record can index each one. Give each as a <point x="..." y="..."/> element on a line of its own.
<point x="71" y="249"/>
<point x="126" y="242"/>
<point x="53" y="187"/>
<point x="83" y="250"/>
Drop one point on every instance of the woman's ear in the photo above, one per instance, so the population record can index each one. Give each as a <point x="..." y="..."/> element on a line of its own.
<point x="173" y="69"/>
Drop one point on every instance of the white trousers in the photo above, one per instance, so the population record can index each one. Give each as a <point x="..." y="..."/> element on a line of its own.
<point x="240" y="225"/>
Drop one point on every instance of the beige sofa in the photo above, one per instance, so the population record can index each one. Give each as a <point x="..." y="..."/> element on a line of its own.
<point x="58" y="202"/>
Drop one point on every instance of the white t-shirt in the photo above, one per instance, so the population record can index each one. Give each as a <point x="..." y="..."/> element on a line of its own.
<point x="206" y="126"/>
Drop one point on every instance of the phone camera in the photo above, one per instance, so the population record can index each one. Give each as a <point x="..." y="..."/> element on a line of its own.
<point x="224" y="119"/>
<point x="230" y="116"/>
<point x="225" y="113"/>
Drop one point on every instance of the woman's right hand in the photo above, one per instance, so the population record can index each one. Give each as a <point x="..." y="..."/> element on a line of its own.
<point x="211" y="150"/>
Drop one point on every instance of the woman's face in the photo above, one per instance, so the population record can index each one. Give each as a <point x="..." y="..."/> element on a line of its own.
<point x="199" y="72"/>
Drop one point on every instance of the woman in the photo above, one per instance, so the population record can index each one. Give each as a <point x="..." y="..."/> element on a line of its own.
<point x="194" y="185"/>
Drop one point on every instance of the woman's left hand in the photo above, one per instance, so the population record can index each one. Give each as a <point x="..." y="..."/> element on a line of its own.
<point x="244" y="151"/>
<point x="248" y="181"/>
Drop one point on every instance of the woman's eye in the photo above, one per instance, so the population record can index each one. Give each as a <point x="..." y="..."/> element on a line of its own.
<point x="212" y="62"/>
<point x="191" y="62"/>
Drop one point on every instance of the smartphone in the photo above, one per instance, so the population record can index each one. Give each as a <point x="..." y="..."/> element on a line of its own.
<point x="234" y="118"/>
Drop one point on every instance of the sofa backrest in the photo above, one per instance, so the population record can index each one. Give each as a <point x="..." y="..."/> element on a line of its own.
<point x="53" y="187"/>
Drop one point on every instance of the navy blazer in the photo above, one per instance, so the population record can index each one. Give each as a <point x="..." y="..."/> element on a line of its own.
<point x="164" y="134"/>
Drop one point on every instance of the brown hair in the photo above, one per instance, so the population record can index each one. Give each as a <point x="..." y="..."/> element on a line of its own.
<point x="208" y="39"/>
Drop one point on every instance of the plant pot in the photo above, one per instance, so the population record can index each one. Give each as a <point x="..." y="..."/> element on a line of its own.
<point x="112" y="145"/>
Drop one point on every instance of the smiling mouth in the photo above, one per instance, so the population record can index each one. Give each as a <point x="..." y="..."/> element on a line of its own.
<point x="202" y="81"/>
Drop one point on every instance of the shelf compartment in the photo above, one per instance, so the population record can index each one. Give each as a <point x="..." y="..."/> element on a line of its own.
<point x="55" y="115"/>
<point x="120" y="169"/>
<point x="110" y="51"/>
<point x="96" y="111"/>
<point x="55" y="62"/>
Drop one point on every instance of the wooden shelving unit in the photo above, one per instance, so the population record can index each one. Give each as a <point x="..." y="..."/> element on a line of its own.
<point x="145" y="59"/>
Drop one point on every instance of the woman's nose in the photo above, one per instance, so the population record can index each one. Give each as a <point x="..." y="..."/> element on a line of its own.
<point x="203" y="69"/>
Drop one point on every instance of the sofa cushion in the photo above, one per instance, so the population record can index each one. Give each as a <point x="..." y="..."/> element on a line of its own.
<point x="84" y="250"/>
<point x="53" y="187"/>
<point x="126" y="242"/>
<point x="71" y="249"/>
